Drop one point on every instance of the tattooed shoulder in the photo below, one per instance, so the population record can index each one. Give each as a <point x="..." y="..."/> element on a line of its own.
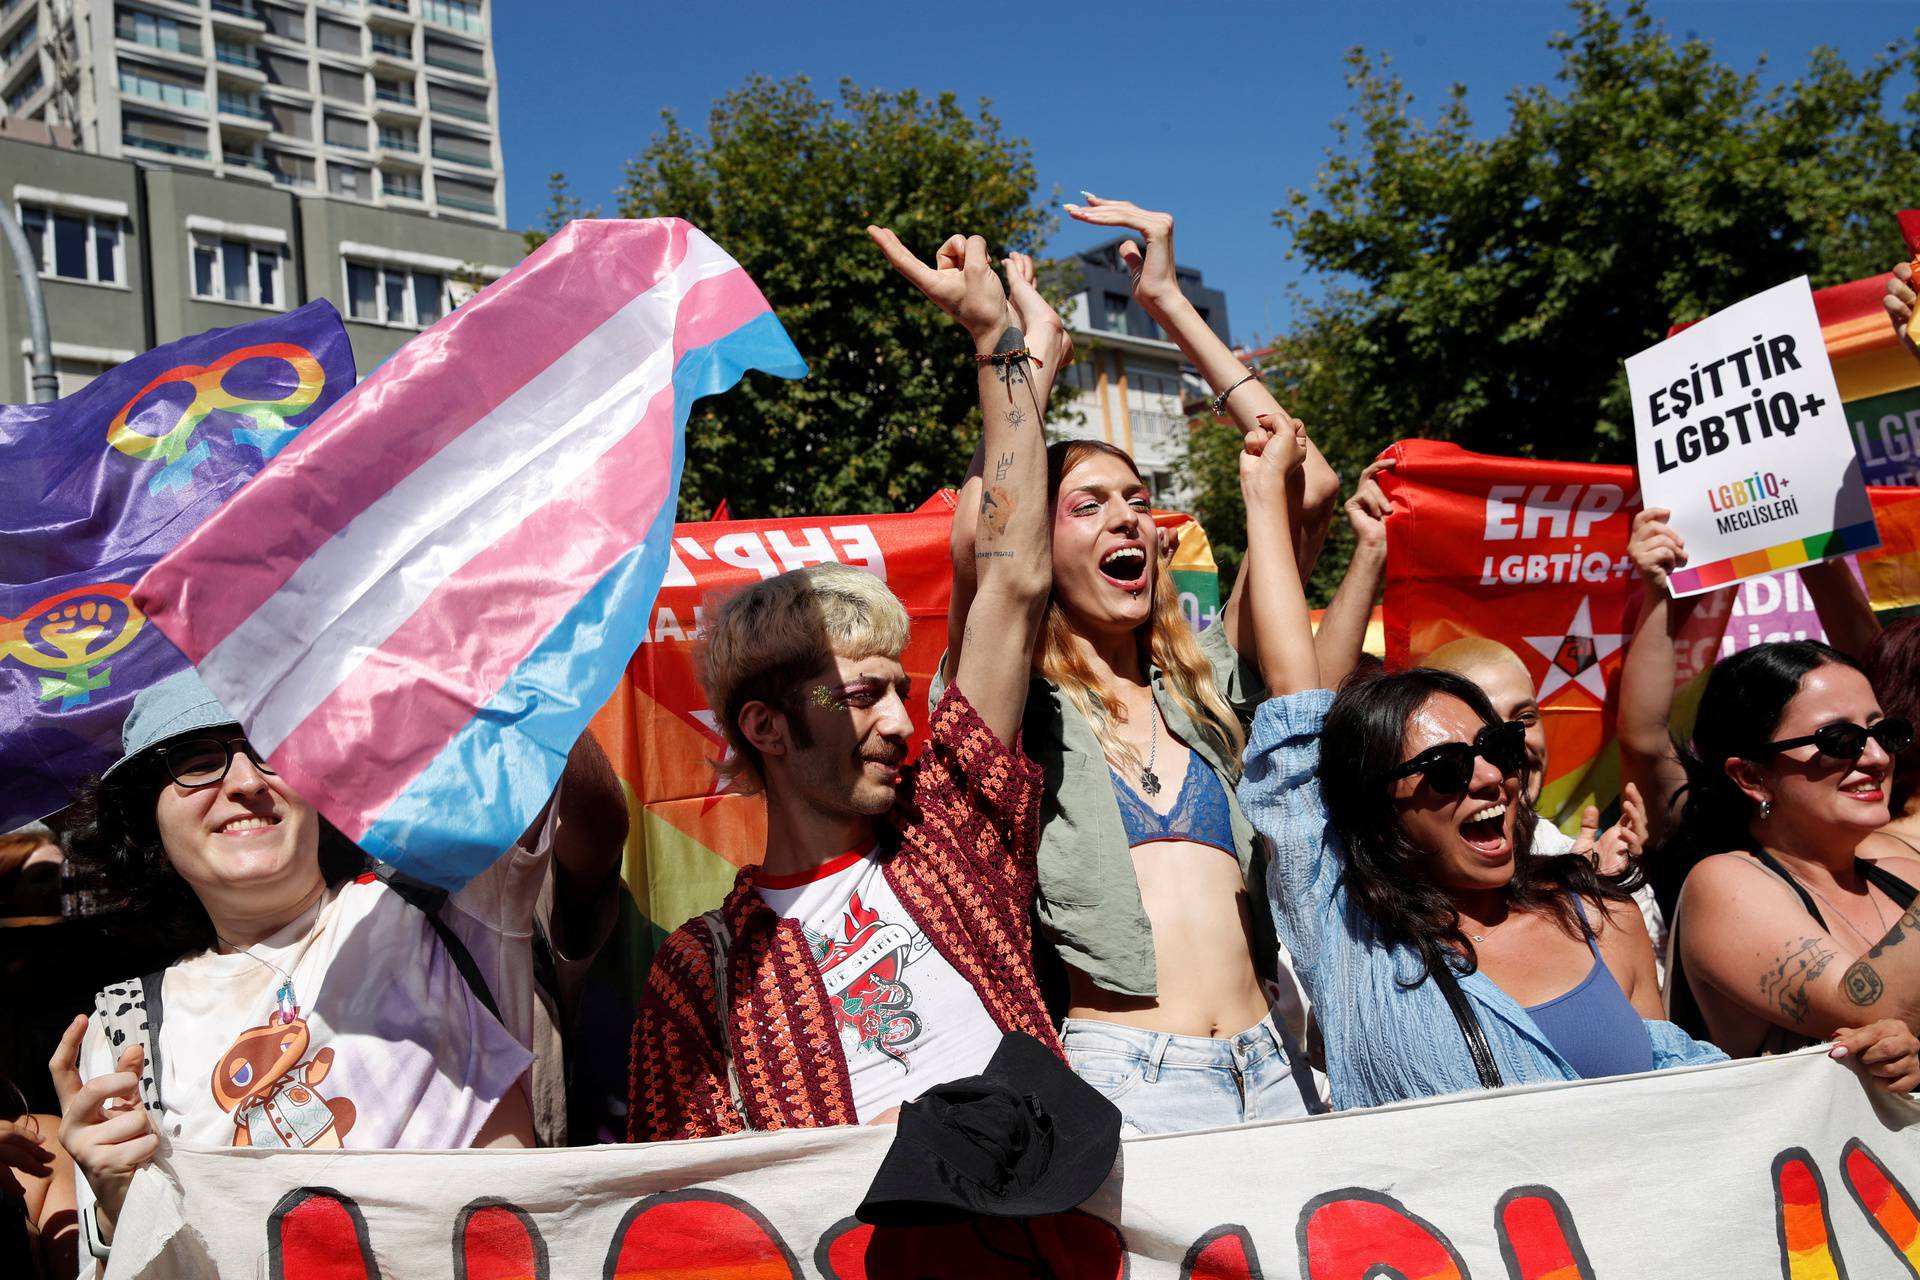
<point x="1784" y="984"/>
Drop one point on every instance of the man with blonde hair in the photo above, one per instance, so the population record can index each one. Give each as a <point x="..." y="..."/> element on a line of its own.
<point x="883" y="945"/>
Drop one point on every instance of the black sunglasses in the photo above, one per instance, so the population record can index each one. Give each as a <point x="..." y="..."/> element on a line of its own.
<point x="201" y="762"/>
<point x="1843" y="740"/>
<point x="1448" y="768"/>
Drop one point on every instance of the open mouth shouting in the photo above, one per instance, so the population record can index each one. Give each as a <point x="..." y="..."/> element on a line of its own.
<point x="1126" y="567"/>
<point x="1486" y="832"/>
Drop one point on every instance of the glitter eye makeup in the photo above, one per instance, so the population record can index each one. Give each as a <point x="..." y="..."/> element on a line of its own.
<point x="821" y="696"/>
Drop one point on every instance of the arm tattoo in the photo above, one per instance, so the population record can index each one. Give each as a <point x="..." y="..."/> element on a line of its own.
<point x="1785" y="984"/>
<point x="1014" y="372"/>
<point x="1862" y="982"/>
<point x="996" y="508"/>
<point x="1004" y="464"/>
<point x="1015" y="417"/>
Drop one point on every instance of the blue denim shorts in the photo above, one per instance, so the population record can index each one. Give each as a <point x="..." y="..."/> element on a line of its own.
<point x="1167" y="1084"/>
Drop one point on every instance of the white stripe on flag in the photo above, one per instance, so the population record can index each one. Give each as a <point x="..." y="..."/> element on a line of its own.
<point x="344" y="601"/>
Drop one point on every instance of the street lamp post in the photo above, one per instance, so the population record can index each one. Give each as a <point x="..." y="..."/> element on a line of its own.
<point x="46" y="384"/>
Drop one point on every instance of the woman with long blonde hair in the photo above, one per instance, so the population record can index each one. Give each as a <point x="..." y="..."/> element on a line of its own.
<point x="1179" y="1005"/>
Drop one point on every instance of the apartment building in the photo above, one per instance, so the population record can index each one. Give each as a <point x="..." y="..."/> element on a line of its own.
<point x="1129" y="381"/>
<point x="179" y="165"/>
<point x="391" y="103"/>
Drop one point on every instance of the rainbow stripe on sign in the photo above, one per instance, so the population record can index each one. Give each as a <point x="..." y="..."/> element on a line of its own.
<point x="1788" y="555"/>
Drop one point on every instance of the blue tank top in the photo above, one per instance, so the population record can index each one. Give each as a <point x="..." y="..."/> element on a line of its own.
<point x="1594" y="1027"/>
<point x="1199" y="812"/>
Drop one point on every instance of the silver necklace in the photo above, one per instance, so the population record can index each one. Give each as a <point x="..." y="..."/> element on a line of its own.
<point x="288" y="1009"/>
<point x="1878" y="914"/>
<point x="1149" y="780"/>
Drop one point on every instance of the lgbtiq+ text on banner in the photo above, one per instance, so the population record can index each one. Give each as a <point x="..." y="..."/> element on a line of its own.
<point x="1742" y="436"/>
<point x="461" y="558"/>
<point x="1533" y="554"/>
<point x="96" y="488"/>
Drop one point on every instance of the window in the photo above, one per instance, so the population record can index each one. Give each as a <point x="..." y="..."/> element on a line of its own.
<point x="281" y="69"/>
<point x="75" y="246"/>
<point x="155" y="32"/>
<point x="71" y="372"/>
<point x="343" y="132"/>
<point x="21" y="42"/>
<point x="392" y="139"/>
<point x="343" y="86"/>
<point x="1116" y="313"/>
<point x="458" y="14"/>
<point x="227" y="270"/>
<point x="338" y="37"/>
<point x="234" y="103"/>
<point x="20" y="97"/>
<point x="144" y="83"/>
<point x="385" y="293"/>
<point x="394" y="91"/>
<point x="349" y="180"/>
<point x="446" y="100"/>
<point x="235" y="54"/>
<point x="400" y="186"/>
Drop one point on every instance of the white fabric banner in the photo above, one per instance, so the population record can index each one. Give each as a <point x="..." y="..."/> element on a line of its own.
<point x="1777" y="1167"/>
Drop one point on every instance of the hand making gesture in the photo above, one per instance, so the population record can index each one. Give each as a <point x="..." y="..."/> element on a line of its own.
<point x="1900" y="302"/>
<point x="961" y="282"/>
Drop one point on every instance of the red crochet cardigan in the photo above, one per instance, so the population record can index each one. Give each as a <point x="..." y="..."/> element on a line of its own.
<point x="964" y="831"/>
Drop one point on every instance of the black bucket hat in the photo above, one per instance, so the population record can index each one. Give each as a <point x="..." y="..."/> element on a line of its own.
<point x="1025" y="1138"/>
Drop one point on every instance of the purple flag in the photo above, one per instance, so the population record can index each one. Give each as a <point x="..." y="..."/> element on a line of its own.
<point x="95" y="488"/>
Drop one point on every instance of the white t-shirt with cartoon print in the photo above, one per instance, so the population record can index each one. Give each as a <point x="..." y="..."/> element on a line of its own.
<point x="388" y="1047"/>
<point x="907" y="1019"/>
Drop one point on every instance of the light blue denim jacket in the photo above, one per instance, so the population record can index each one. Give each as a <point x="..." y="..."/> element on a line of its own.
<point x="1385" y="1042"/>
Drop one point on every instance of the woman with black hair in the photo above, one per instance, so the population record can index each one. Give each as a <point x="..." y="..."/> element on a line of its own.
<point x="1440" y="953"/>
<point x="311" y="1003"/>
<point x="1798" y="920"/>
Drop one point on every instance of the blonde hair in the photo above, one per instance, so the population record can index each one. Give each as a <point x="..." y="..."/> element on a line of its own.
<point x="764" y="639"/>
<point x="1165" y="638"/>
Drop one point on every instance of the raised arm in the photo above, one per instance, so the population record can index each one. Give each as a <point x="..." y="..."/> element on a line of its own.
<point x="1647" y="674"/>
<point x="1846" y="615"/>
<point x="1315" y="488"/>
<point x="1280" y="624"/>
<point x="1900" y="301"/>
<point x="1018" y="351"/>
<point x="1343" y="627"/>
<point x="588" y="809"/>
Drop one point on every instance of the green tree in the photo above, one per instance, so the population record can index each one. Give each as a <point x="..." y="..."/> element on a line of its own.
<point x="787" y="182"/>
<point x="562" y="207"/>
<point x="1485" y="289"/>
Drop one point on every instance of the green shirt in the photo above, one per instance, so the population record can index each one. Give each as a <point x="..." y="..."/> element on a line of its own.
<point x="1088" y="900"/>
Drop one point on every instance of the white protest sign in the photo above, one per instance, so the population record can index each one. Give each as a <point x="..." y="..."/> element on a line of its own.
<point x="1771" y="1167"/>
<point x="1742" y="436"/>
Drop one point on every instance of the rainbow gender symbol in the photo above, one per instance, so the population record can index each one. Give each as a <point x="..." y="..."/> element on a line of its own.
<point x="71" y="633"/>
<point x="269" y="430"/>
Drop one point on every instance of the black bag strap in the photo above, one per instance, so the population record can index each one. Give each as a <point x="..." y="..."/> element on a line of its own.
<point x="428" y="900"/>
<point x="1477" y="1047"/>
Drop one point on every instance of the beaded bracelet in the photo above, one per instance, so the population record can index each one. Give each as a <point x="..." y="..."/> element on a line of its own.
<point x="1008" y="357"/>
<point x="1220" y="401"/>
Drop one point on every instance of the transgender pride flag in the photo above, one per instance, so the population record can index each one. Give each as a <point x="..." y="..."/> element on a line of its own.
<point x="419" y="603"/>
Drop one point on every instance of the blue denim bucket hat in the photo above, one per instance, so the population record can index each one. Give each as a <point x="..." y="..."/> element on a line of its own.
<point x="179" y="704"/>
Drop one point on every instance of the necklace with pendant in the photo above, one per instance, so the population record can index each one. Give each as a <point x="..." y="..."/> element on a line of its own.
<point x="1149" y="780"/>
<point x="288" y="1009"/>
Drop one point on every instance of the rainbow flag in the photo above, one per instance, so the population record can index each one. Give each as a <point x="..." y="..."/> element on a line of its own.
<point x="419" y="604"/>
<point x="97" y="487"/>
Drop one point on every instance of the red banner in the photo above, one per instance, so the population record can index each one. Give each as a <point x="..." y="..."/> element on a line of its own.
<point x="1533" y="554"/>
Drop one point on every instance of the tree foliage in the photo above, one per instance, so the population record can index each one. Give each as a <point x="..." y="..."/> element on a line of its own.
<point x="1484" y="288"/>
<point x="787" y="181"/>
<point x="562" y="207"/>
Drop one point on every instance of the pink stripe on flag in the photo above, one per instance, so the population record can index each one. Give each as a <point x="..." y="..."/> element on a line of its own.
<point x="471" y="645"/>
<point x="712" y="310"/>
<point x="507" y="336"/>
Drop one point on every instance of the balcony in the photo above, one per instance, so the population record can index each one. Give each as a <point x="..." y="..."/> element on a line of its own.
<point x="399" y="153"/>
<point x="400" y="190"/>
<point x="486" y="207"/>
<point x="472" y="160"/>
<point x="243" y="67"/>
<point x="455" y="63"/>
<point x="394" y="54"/>
<point x="171" y="97"/>
<point x="397" y="14"/>
<point x="237" y="15"/>
<point x="393" y="105"/>
<point x="240" y="116"/>
<point x="281" y="178"/>
<point x="152" y="40"/>
<point x="180" y="150"/>
<point x="464" y="113"/>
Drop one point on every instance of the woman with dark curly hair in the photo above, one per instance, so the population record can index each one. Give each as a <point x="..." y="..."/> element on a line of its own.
<point x="312" y="1003"/>
<point x="1440" y="952"/>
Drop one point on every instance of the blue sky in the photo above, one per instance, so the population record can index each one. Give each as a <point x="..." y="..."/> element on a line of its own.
<point x="1211" y="111"/>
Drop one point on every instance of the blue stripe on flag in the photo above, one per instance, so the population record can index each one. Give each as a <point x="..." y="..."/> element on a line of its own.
<point x="480" y="793"/>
